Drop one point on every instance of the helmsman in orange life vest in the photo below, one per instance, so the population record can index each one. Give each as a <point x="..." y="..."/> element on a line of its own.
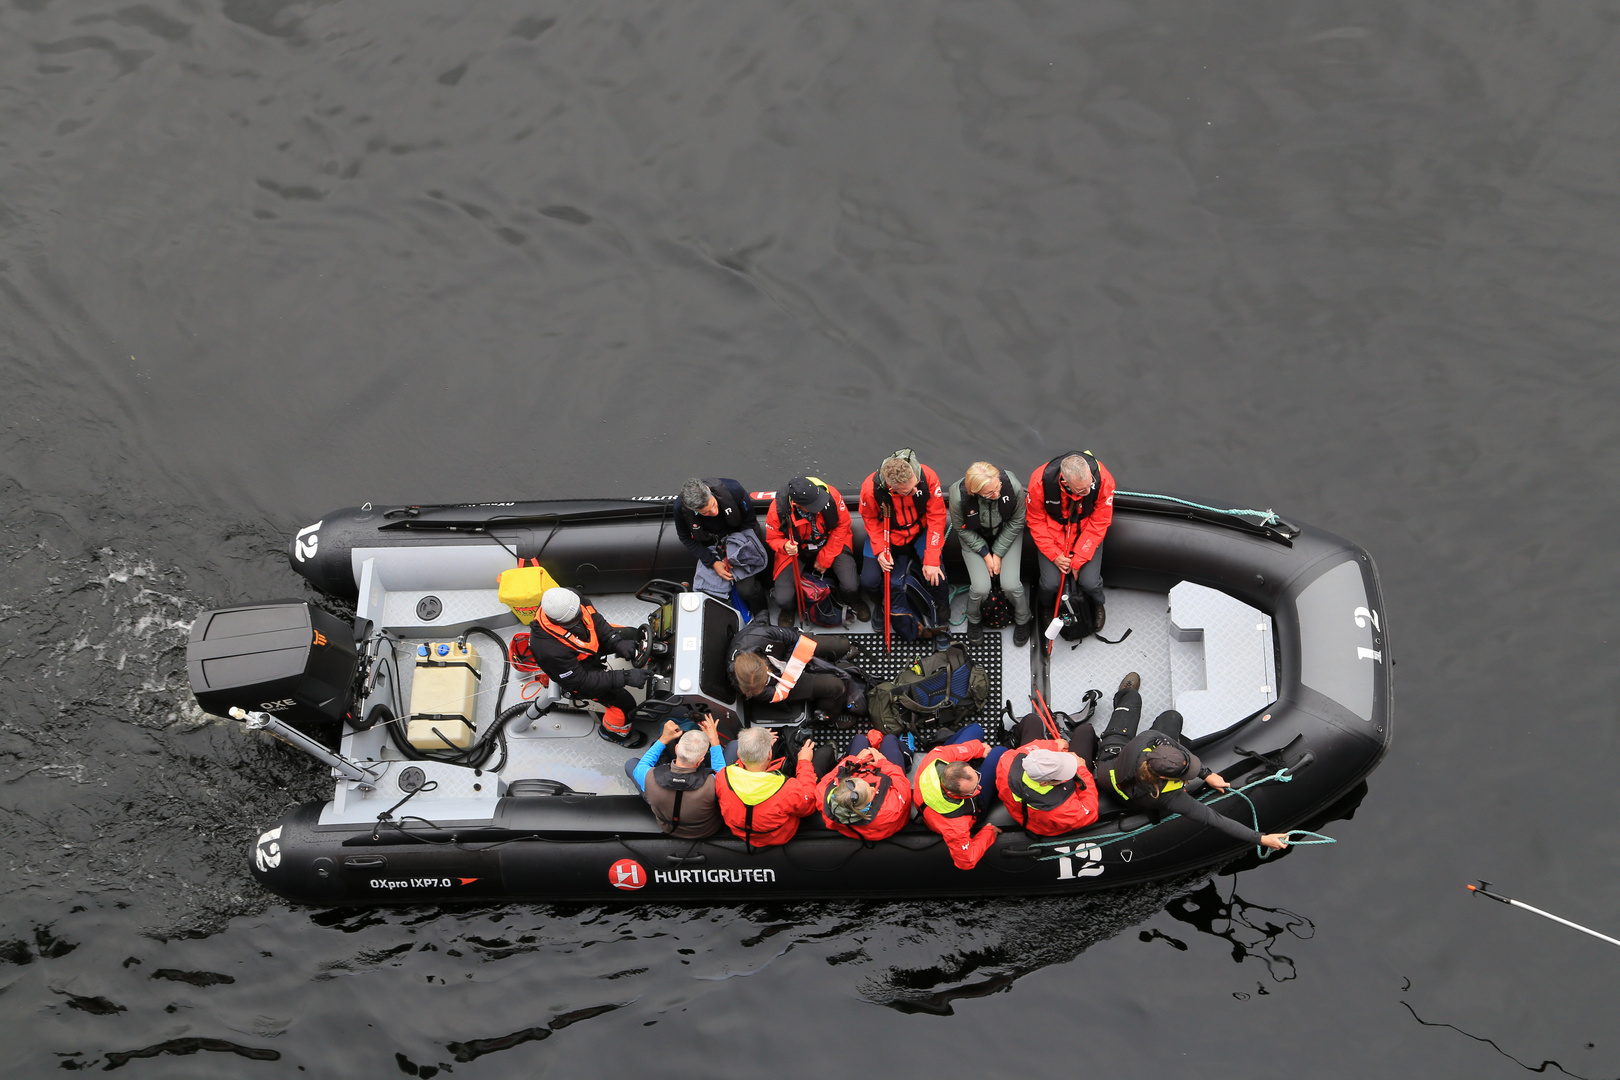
<point x="571" y="643"/>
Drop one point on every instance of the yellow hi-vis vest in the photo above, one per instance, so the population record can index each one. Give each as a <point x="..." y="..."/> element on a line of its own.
<point x="933" y="793"/>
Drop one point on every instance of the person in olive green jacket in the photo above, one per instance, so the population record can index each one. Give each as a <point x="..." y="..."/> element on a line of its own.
<point x="987" y="511"/>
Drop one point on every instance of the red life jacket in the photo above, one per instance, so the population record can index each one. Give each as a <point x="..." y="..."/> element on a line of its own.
<point x="1061" y="809"/>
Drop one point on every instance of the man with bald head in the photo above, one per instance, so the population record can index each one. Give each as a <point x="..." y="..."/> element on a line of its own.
<point x="1070" y="506"/>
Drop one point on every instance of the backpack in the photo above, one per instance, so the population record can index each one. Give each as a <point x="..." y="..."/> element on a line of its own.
<point x="933" y="696"/>
<point x="1075" y="611"/>
<point x="996" y="612"/>
<point x="911" y="607"/>
<point x="816" y="600"/>
<point x="1078" y="623"/>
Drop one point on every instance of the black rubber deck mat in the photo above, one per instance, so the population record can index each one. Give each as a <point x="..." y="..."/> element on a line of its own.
<point x="882" y="666"/>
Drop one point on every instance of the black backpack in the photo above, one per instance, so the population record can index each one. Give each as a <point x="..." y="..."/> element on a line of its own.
<point x="1078" y="623"/>
<point x="911" y="607"/>
<point x="996" y="612"/>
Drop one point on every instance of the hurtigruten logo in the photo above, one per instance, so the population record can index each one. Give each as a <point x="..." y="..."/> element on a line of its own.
<point x="629" y="874"/>
<point x="727" y="877"/>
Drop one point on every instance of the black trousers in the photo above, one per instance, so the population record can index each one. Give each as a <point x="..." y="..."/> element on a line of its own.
<point x="842" y="577"/>
<point x="1127" y="716"/>
<point x="1082" y="740"/>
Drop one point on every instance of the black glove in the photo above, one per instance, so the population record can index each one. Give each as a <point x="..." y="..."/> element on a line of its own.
<point x="627" y="647"/>
<point x="636" y="677"/>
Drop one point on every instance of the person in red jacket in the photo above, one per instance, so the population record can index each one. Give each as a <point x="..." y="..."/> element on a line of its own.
<point x="951" y="793"/>
<point x="808" y="521"/>
<point x="1070" y="506"/>
<point x="759" y="803"/>
<point x="903" y="505"/>
<point x="1044" y="783"/>
<point x="867" y="795"/>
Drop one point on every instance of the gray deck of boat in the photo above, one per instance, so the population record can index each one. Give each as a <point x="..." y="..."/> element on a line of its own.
<point x="1216" y="667"/>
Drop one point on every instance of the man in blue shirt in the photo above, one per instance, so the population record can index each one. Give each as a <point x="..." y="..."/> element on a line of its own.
<point x="681" y="792"/>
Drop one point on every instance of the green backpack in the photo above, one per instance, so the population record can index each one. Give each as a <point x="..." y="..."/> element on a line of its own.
<point x="938" y="693"/>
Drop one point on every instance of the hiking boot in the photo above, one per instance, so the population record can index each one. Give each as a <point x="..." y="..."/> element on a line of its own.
<point x="630" y="740"/>
<point x="860" y="609"/>
<point x="1132" y="681"/>
<point x="785" y="617"/>
<point x="1099" y="617"/>
<point x="1021" y="633"/>
<point x="975" y="631"/>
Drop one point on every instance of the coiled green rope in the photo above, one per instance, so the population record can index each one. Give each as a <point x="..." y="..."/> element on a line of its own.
<point x="1304" y="836"/>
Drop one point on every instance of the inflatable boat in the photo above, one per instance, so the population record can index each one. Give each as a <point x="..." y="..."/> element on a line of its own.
<point x="1268" y="637"/>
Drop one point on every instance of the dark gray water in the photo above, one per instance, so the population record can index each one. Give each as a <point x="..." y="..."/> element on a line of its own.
<point x="1355" y="261"/>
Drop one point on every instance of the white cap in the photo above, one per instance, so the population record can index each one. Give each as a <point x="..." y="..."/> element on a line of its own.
<point x="560" y="605"/>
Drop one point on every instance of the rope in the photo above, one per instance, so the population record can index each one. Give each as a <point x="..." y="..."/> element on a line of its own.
<point x="1267" y="517"/>
<point x="1281" y="776"/>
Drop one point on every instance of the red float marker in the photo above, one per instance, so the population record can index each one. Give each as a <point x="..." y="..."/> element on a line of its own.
<point x="1483" y="889"/>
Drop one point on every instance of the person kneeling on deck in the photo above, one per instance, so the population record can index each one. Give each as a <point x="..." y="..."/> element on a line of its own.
<point x="1044" y="783"/>
<point x="867" y="795"/>
<point x="682" y="792"/>
<point x="767" y="664"/>
<point x="710" y="512"/>
<point x="1071" y="505"/>
<point x="987" y="512"/>
<point x="808" y="526"/>
<point x="951" y="792"/>
<point x="571" y="643"/>
<point x="759" y="803"/>
<point x="1152" y="771"/>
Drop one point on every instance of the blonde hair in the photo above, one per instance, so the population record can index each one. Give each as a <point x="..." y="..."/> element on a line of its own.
<point x="978" y="475"/>
<point x="753" y="674"/>
<point x="896" y="472"/>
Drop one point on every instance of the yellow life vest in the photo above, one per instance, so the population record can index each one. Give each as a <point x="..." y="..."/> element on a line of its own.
<point x="933" y="794"/>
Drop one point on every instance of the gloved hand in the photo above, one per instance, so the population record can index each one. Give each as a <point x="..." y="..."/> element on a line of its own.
<point x="626" y="648"/>
<point x="636" y="677"/>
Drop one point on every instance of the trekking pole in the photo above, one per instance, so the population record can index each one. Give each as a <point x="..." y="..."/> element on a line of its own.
<point x="798" y="594"/>
<point x="1055" y="609"/>
<point x="887" y="646"/>
<point x="1044" y="711"/>
<point x="1483" y="889"/>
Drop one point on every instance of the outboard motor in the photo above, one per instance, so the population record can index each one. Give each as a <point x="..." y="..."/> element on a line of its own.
<point x="286" y="658"/>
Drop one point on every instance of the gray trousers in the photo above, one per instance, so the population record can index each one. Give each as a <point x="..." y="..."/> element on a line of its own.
<point x="1011" y="583"/>
<point x="1091" y="583"/>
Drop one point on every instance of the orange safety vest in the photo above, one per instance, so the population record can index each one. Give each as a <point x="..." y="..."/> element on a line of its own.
<point x="584" y="648"/>
<point x="789" y="678"/>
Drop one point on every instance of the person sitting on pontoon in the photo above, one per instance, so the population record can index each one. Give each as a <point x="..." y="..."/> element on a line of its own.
<point x="867" y="795"/>
<point x="1071" y="505"/>
<point x="710" y="513"/>
<point x="682" y="792"/>
<point x="571" y="643"/>
<point x="1044" y="782"/>
<point x="761" y="805"/>
<point x="953" y="795"/>
<point x="987" y="512"/>
<point x="1153" y="771"/>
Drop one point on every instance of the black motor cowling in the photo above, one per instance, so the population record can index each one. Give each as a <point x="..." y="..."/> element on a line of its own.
<point x="287" y="658"/>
